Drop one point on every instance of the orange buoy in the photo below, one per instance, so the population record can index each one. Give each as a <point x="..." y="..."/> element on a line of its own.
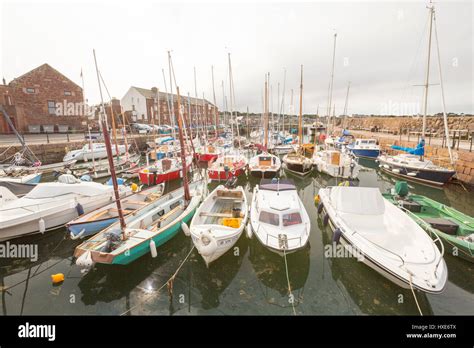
<point x="57" y="278"/>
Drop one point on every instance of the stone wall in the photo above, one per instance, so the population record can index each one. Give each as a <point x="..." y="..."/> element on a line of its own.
<point x="53" y="153"/>
<point x="394" y="124"/>
<point x="464" y="163"/>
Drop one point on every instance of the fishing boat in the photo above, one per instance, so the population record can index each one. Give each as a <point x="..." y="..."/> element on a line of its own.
<point x="278" y="217"/>
<point x="283" y="149"/>
<point x="412" y="165"/>
<point x="99" y="219"/>
<point x="453" y="227"/>
<point x="219" y="222"/>
<point x="19" y="177"/>
<point x="163" y="170"/>
<point x="366" y="148"/>
<point x="92" y="151"/>
<point x="51" y="205"/>
<point x="336" y="164"/>
<point x="380" y="235"/>
<point x="227" y="166"/>
<point x="264" y="165"/>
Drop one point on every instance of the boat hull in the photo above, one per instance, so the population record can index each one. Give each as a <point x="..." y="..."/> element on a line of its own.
<point x="264" y="174"/>
<point x="424" y="176"/>
<point x="158" y="178"/>
<point x="366" y="153"/>
<point x="225" y="175"/>
<point x="86" y="229"/>
<point x="166" y="235"/>
<point x="207" y="157"/>
<point x="297" y="168"/>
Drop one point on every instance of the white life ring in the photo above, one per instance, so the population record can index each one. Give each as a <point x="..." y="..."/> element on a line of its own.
<point x="207" y="244"/>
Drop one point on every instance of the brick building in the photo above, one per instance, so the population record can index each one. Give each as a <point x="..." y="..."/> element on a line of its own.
<point x="42" y="100"/>
<point x="140" y="105"/>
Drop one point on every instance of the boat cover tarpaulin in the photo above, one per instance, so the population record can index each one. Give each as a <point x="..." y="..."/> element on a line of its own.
<point x="18" y="189"/>
<point x="358" y="200"/>
<point x="419" y="150"/>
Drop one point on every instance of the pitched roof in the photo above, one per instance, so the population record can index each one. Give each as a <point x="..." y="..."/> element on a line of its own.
<point x="148" y="93"/>
<point x="44" y="66"/>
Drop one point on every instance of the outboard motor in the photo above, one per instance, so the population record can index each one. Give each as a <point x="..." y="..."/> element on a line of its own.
<point x="113" y="241"/>
<point x="231" y="182"/>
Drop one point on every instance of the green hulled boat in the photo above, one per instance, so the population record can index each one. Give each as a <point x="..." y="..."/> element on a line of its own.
<point x="453" y="227"/>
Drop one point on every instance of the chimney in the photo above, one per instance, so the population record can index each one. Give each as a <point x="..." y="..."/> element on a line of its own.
<point x="4" y="82"/>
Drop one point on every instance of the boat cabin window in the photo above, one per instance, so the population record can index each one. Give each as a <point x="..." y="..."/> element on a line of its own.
<point x="292" y="219"/>
<point x="363" y="141"/>
<point x="269" y="218"/>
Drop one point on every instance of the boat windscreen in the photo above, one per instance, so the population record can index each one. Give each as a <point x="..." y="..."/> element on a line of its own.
<point x="277" y="185"/>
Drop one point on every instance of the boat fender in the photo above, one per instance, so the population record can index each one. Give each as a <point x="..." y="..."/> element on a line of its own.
<point x="337" y="235"/>
<point x="57" y="278"/>
<point x="185" y="228"/>
<point x="325" y="220"/>
<point x="153" y="251"/>
<point x="85" y="260"/>
<point x="41" y="225"/>
<point x="79" y="209"/>
<point x="207" y="244"/>
<point x="249" y="231"/>
<point x="320" y="207"/>
<point x="77" y="236"/>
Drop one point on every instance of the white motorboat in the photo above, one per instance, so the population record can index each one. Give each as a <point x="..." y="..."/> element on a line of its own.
<point x="219" y="222"/>
<point x="278" y="217"/>
<point x="86" y="153"/>
<point x="51" y="205"/>
<point x="336" y="164"/>
<point x="264" y="165"/>
<point x="6" y="196"/>
<point x="383" y="237"/>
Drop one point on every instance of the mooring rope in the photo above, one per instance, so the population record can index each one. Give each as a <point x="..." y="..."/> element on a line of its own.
<point x="292" y="298"/>
<point x="414" y="296"/>
<point x="168" y="283"/>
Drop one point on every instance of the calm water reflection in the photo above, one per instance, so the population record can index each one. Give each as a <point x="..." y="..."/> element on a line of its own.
<point x="247" y="280"/>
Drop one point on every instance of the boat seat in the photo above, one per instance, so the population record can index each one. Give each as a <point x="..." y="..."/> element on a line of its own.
<point x="219" y="215"/>
<point x="137" y="202"/>
<point x="444" y="225"/>
<point x="235" y="199"/>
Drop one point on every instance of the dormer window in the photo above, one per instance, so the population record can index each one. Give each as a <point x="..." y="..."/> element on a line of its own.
<point x="30" y="90"/>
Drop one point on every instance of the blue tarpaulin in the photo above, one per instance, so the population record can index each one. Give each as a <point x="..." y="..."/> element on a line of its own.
<point x="419" y="150"/>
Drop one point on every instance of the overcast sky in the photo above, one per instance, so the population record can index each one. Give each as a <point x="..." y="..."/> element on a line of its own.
<point x="381" y="48"/>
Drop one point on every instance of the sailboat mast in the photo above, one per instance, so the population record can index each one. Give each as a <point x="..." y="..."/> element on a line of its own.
<point x="171" y="96"/>
<point x="232" y="96"/>
<point x="428" y="59"/>
<point x="100" y="89"/>
<point x="300" y="120"/>
<point x="265" y="117"/>
<point x="114" y="179"/>
<point x="187" y="196"/>
<point x="445" y="116"/>
<point x="332" y="75"/>
<point x="214" y="100"/>
<point x="124" y="133"/>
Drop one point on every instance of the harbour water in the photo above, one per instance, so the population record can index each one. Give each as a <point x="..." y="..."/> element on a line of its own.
<point x="249" y="280"/>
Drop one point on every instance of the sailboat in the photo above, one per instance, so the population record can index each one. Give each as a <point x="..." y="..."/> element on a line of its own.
<point x="412" y="165"/>
<point x="335" y="160"/>
<point x="278" y="217"/>
<point x="265" y="165"/>
<point x="297" y="162"/>
<point x="149" y="227"/>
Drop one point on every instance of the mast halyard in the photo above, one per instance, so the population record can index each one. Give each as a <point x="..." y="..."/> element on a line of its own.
<point x="427" y="80"/>
<point x="332" y="76"/>
<point x="300" y="119"/>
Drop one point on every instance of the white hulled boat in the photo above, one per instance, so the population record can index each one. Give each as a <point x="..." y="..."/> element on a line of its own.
<point x="278" y="217"/>
<point x="383" y="237"/>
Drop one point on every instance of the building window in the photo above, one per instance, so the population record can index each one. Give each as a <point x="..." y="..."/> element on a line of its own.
<point x="67" y="93"/>
<point x="51" y="107"/>
<point x="30" y="90"/>
<point x="8" y="99"/>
